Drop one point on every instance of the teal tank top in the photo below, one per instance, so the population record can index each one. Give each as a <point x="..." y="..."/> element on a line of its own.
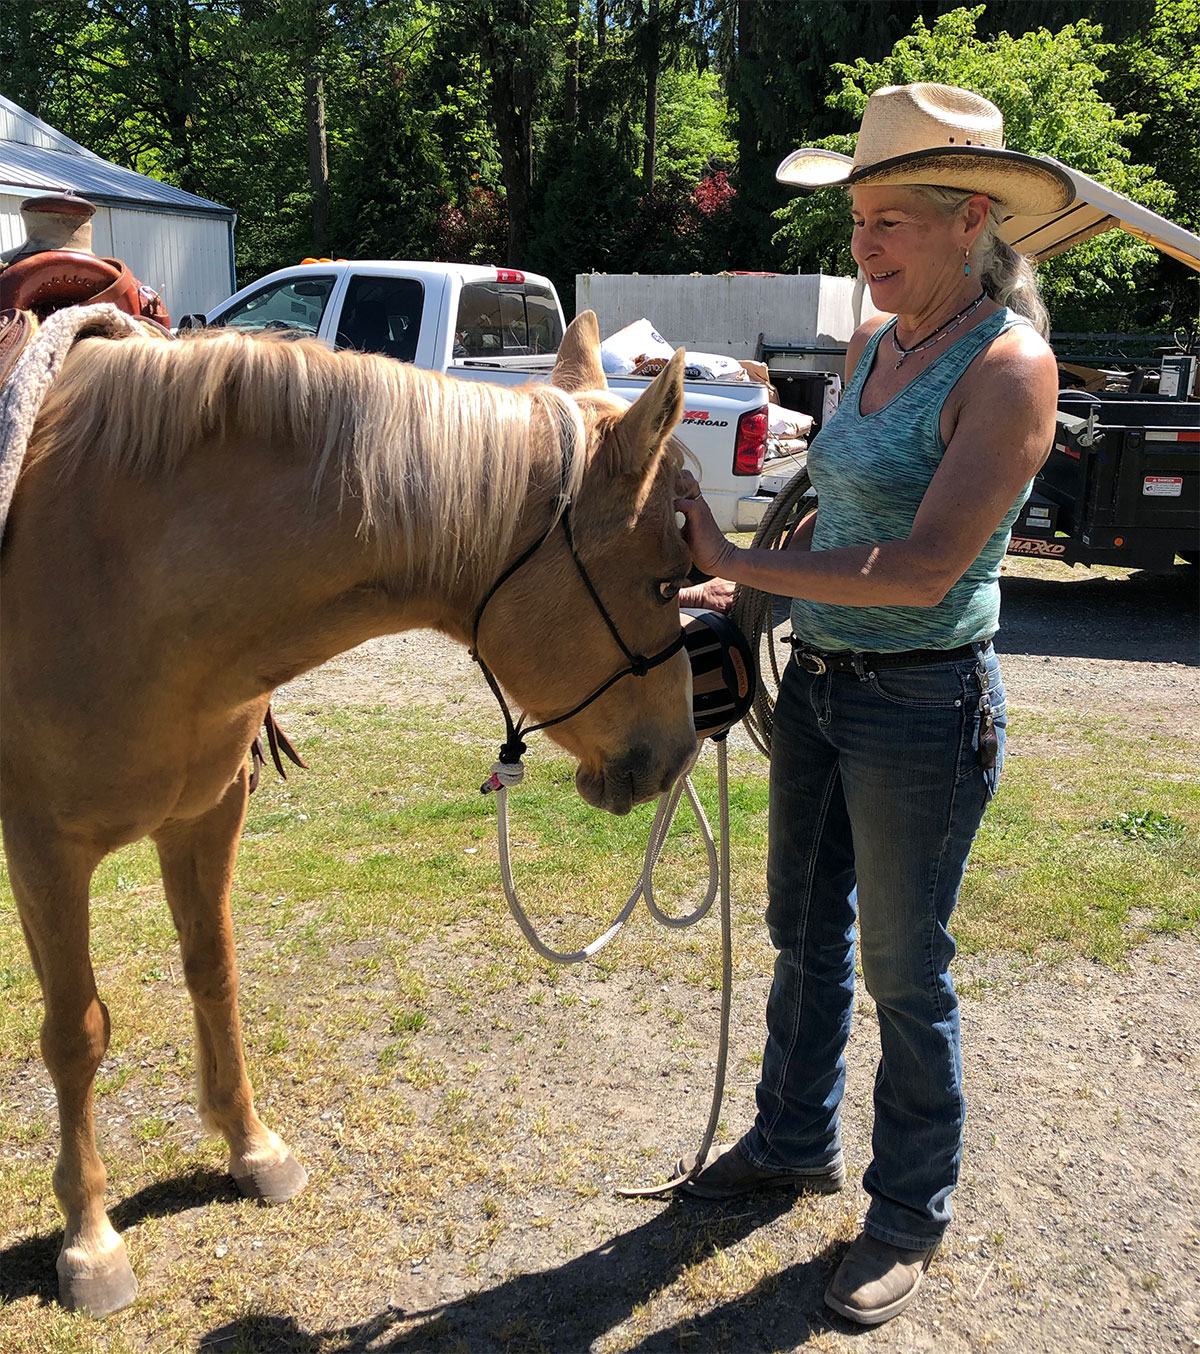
<point x="871" y="472"/>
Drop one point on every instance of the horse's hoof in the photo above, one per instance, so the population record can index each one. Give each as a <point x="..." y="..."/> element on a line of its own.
<point x="100" y="1288"/>
<point x="270" y="1181"/>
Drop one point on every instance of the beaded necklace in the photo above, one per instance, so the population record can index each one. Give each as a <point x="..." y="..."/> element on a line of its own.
<point x="939" y="333"/>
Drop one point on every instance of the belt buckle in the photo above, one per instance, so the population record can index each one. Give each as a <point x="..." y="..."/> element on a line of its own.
<point x="819" y="665"/>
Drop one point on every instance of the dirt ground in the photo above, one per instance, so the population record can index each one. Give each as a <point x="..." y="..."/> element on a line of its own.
<point x="1078" y="1216"/>
<point x="1077" y="1221"/>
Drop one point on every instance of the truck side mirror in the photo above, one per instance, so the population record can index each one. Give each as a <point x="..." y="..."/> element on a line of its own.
<point x="194" y="321"/>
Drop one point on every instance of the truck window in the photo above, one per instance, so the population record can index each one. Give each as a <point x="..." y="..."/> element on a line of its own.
<point x="296" y="305"/>
<point x="479" y="326"/>
<point x="506" y="320"/>
<point x="512" y="320"/>
<point x="382" y="315"/>
<point x="542" y="322"/>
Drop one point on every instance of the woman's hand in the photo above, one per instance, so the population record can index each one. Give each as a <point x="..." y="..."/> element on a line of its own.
<point x="715" y="594"/>
<point x="712" y="553"/>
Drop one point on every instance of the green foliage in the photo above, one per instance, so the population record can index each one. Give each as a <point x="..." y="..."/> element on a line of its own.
<point x="1144" y="825"/>
<point x="1047" y="86"/>
<point x="779" y="62"/>
<point x="586" y="215"/>
<point x="592" y="210"/>
<point x="468" y="129"/>
<point x="1157" y="72"/>
<point x="392" y="170"/>
<point x="693" y="126"/>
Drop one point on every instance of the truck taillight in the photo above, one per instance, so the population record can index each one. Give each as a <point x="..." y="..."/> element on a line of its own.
<point x="509" y="275"/>
<point x="750" y="449"/>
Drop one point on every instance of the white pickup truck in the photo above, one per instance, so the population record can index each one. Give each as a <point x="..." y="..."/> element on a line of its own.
<point x="500" y="325"/>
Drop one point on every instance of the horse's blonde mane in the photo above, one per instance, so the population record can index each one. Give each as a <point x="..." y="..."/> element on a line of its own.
<point x="441" y="466"/>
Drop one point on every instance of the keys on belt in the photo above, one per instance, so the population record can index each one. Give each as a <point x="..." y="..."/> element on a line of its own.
<point x="989" y="740"/>
<point x="818" y="662"/>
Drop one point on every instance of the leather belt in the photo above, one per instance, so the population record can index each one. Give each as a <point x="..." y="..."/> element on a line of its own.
<point x="818" y="661"/>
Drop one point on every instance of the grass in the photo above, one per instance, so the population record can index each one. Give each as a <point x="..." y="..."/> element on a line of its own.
<point x="1050" y="875"/>
<point x="393" y="1013"/>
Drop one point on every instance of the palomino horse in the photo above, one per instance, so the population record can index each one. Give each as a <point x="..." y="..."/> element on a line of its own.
<point x="197" y="523"/>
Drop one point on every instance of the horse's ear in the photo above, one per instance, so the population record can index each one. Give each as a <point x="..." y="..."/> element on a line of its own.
<point x="578" y="366"/>
<point x="642" y="431"/>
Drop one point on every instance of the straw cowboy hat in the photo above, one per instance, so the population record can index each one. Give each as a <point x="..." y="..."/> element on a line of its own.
<point x="939" y="135"/>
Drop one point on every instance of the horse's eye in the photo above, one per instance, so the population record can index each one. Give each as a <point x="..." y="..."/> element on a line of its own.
<point x="668" y="589"/>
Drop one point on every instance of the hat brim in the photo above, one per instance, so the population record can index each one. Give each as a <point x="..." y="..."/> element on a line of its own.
<point x="1021" y="185"/>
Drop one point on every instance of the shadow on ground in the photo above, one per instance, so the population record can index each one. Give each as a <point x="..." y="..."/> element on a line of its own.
<point x="569" y="1308"/>
<point x="1145" y="617"/>
<point x="27" y="1267"/>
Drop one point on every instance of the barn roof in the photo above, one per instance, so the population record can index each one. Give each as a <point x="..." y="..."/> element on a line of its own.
<point x="35" y="158"/>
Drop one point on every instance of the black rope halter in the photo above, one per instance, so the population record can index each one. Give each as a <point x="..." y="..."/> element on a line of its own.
<point x="513" y="747"/>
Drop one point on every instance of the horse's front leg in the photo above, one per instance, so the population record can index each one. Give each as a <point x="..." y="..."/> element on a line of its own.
<point x="50" y="876"/>
<point x="197" y="857"/>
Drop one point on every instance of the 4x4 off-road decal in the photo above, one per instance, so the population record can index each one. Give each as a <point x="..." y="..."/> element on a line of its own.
<point x="700" y="418"/>
<point x="1029" y="545"/>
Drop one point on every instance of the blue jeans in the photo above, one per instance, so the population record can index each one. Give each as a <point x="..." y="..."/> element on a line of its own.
<point x="876" y="795"/>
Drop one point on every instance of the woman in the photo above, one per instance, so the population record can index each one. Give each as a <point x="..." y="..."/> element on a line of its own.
<point x="889" y="724"/>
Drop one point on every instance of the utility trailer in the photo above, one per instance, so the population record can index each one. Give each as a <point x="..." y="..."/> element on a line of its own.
<point x="1121" y="485"/>
<point x="1122" y="482"/>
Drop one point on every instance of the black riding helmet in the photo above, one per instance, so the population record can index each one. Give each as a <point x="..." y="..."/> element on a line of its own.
<point x="724" y="672"/>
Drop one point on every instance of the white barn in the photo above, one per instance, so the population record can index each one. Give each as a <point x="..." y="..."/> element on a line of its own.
<point x="177" y="243"/>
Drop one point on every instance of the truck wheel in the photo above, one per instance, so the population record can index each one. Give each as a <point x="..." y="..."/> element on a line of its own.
<point x="755" y="613"/>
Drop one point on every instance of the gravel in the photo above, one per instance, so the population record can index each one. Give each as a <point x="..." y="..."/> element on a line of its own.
<point x="1078" y="1216"/>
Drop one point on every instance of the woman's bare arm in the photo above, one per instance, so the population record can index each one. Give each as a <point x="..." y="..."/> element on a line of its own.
<point x="1002" y="437"/>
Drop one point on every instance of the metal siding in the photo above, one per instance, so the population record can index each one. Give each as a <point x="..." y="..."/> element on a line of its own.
<point x="17" y="125"/>
<point x="102" y="235"/>
<point x="186" y="258"/>
<point x="98" y="180"/>
<point x="12" y="231"/>
<point x="37" y="156"/>
<point x="180" y="244"/>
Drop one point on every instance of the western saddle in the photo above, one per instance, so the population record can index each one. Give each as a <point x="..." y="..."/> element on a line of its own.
<point x="55" y="267"/>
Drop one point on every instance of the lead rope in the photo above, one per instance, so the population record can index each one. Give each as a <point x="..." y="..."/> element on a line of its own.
<point x="714" y="1113"/>
<point x="505" y="774"/>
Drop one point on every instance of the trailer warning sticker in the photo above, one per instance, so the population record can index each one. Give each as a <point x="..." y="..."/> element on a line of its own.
<point x="1162" y="486"/>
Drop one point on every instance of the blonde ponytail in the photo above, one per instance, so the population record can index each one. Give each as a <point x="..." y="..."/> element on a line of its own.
<point x="1007" y="276"/>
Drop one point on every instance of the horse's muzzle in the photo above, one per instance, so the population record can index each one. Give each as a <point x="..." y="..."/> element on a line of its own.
<point x="638" y="775"/>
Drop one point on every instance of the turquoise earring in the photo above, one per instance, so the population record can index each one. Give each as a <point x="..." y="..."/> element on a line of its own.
<point x="966" y="263"/>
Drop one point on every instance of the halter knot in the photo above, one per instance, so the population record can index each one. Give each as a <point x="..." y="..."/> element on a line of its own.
<point x="505" y="773"/>
<point x="639" y="665"/>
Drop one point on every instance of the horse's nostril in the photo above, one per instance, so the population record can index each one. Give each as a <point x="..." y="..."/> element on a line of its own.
<point x="637" y="761"/>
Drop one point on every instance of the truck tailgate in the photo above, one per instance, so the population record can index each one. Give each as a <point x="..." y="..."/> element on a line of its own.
<point x="713" y="414"/>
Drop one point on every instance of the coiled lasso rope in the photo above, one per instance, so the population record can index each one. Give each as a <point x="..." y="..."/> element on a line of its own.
<point x="753" y="612"/>
<point x="508" y="774"/>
